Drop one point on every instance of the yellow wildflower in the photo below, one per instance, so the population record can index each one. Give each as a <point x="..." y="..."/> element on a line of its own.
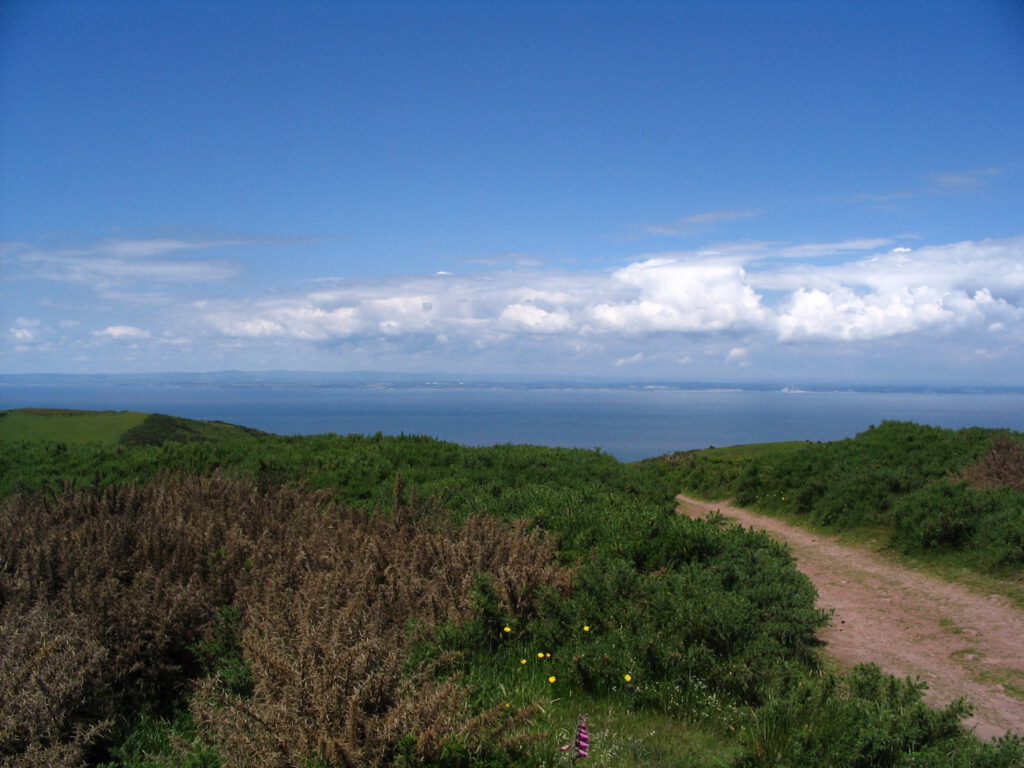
<point x="552" y="679"/>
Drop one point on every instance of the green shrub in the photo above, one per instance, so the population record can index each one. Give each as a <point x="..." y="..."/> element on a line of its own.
<point x="865" y="719"/>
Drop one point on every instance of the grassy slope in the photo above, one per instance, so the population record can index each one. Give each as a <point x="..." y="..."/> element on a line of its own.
<point x="718" y="473"/>
<point x="66" y="426"/>
<point x="111" y="427"/>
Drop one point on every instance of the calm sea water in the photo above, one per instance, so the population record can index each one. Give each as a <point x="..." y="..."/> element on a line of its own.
<point x="629" y="424"/>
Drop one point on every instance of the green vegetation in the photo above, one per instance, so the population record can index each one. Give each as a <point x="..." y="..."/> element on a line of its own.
<point x="354" y="600"/>
<point x="938" y="493"/>
<point x="66" y="426"/>
<point x="62" y="426"/>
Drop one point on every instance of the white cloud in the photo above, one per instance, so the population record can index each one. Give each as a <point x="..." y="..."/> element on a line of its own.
<point x="104" y="272"/>
<point x="111" y="262"/>
<point x="25" y="331"/>
<point x="843" y="315"/>
<point x="974" y="285"/>
<point x="711" y="307"/>
<point x="813" y="250"/>
<point x="142" y="247"/>
<point x="122" y="332"/>
<point x="631" y="360"/>
<point x="534" y="319"/>
<point x="675" y="295"/>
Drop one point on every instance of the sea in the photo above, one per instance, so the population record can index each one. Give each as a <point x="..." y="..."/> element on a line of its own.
<point x="627" y="421"/>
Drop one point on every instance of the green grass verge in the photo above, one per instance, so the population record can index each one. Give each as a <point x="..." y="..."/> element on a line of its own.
<point x="626" y="737"/>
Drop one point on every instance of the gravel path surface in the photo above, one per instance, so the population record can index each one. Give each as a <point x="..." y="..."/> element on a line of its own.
<point x="960" y="642"/>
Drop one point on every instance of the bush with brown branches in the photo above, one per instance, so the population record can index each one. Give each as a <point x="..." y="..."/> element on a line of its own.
<point x="108" y="593"/>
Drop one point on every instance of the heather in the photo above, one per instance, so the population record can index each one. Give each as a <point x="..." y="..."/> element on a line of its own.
<point x="375" y="601"/>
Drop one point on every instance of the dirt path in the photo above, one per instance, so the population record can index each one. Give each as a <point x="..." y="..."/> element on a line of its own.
<point x="960" y="642"/>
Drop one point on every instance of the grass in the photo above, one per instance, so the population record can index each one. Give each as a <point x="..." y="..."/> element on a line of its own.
<point x="693" y="727"/>
<point x="1009" y="679"/>
<point x="955" y="567"/>
<point x="950" y="627"/>
<point x="630" y="738"/>
<point x="619" y="736"/>
<point x="111" y="427"/>
<point x="68" y="426"/>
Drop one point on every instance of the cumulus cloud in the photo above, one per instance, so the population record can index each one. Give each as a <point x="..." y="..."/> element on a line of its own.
<point x="737" y="304"/>
<point x="654" y="295"/>
<point x="843" y="315"/>
<point x="948" y="287"/>
<point x="535" y="319"/>
<point x="889" y="293"/>
<point x="669" y="294"/>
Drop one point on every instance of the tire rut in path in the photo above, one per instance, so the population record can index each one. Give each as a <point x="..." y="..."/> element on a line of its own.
<point x="961" y="643"/>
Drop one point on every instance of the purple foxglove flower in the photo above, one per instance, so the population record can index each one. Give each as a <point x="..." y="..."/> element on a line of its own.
<point x="581" y="743"/>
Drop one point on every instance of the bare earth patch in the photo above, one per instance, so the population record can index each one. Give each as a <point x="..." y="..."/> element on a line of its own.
<point x="961" y="643"/>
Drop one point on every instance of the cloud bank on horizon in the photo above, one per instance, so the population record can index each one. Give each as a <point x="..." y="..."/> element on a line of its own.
<point x="701" y="191"/>
<point x="673" y="313"/>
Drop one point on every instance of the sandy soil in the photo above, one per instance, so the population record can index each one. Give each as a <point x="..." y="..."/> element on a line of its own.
<point x="961" y="643"/>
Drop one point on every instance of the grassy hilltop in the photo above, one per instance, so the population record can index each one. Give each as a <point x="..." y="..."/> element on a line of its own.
<point x="110" y="427"/>
<point x="321" y="601"/>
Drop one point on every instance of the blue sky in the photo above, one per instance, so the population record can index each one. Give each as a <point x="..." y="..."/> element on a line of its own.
<point x="793" y="191"/>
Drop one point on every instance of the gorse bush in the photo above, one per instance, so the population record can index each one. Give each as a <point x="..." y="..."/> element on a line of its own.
<point x="104" y="593"/>
<point x="330" y="610"/>
<point x="324" y="597"/>
<point x="865" y="719"/>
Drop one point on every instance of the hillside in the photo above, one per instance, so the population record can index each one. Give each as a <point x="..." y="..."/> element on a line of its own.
<point x="400" y="601"/>
<point x="947" y="496"/>
<point x="111" y="427"/>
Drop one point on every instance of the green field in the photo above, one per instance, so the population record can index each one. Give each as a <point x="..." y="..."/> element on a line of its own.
<point x="111" y="427"/>
<point x="66" y="426"/>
